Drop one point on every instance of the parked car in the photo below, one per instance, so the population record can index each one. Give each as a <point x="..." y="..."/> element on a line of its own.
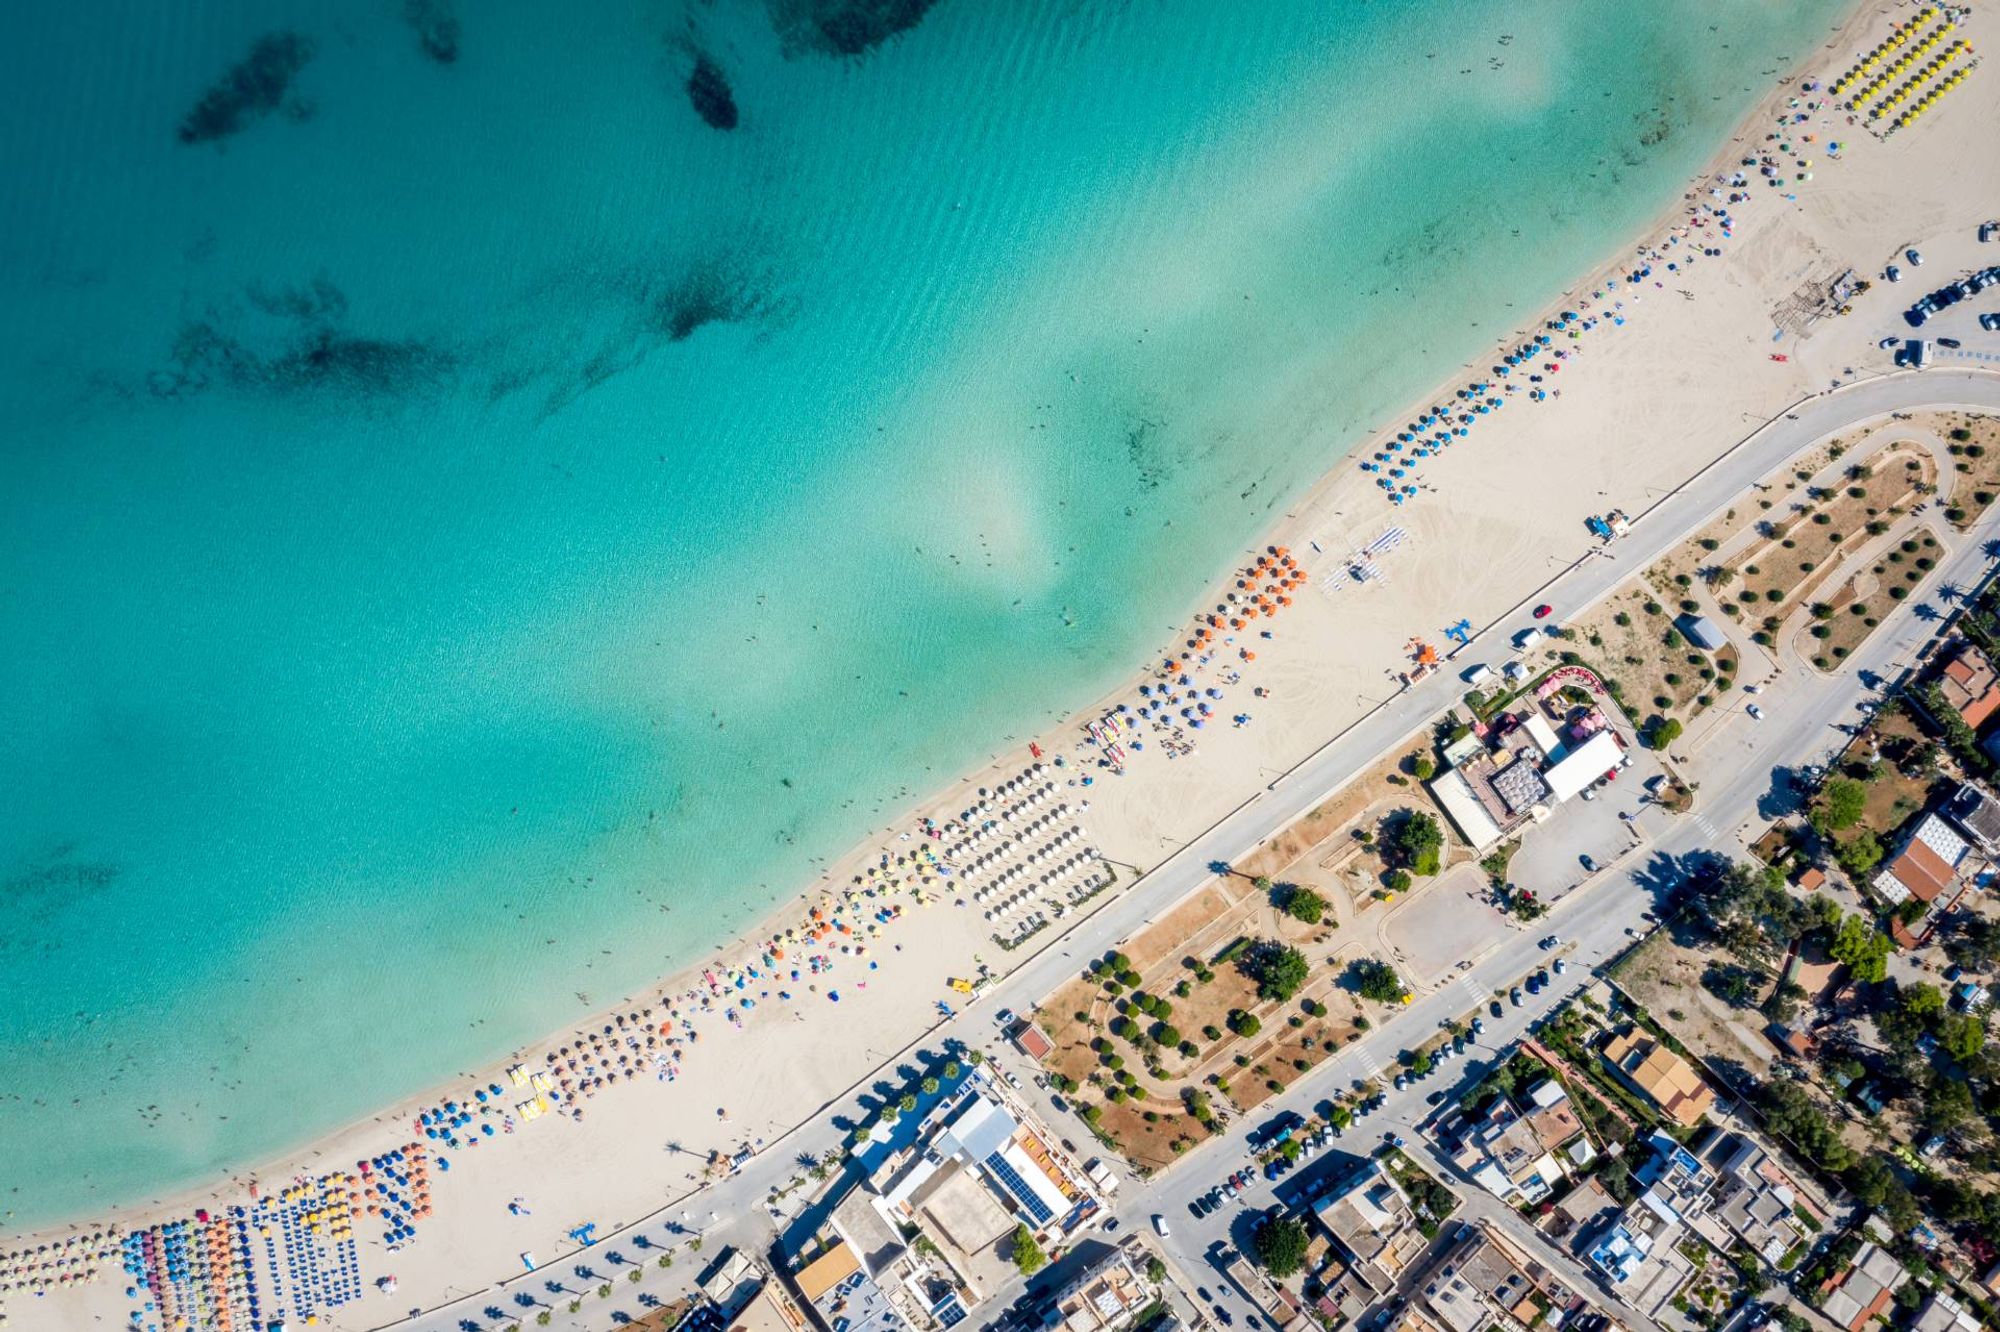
<point x="1401" y="1082"/>
<point x="1952" y="343"/>
<point x="1561" y="966"/>
<point x="1756" y="713"/>
<point x="1479" y="1026"/>
<point x="1990" y="322"/>
<point x="1888" y="343"/>
<point x="1916" y="260"/>
<point x="1543" y="611"/>
<point x="1516" y="996"/>
<point x="1893" y="273"/>
<point x="1160" y="1225"/>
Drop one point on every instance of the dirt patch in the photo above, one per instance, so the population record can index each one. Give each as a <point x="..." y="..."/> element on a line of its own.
<point x="1159" y="1029"/>
<point x="1630" y="637"/>
<point x="1893" y="793"/>
<point x="1976" y="462"/>
<point x="1667" y="979"/>
<point x="1798" y="553"/>
<point x="1843" y="621"/>
<point x="1386" y="781"/>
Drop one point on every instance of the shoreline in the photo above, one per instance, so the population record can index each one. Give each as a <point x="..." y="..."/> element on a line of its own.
<point x="1307" y="514"/>
<point x="1290" y="525"/>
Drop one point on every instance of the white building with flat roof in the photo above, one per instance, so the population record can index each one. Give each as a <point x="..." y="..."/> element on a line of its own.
<point x="1584" y="764"/>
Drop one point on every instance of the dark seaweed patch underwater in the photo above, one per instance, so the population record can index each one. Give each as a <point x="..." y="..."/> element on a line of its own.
<point x="708" y="90"/>
<point x="254" y="88"/>
<point x="844" y="27"/>
<point x="436" y="27"/>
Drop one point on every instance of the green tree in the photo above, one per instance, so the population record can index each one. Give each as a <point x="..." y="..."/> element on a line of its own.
<point x="930" y="1086"/>
<point x="1377" y="980"/>
<point x="1281" y="1245"/>
<point x="1027" y="1254"/>
<point x="1279" y="971"/>
<point x="1244" y="1024"/>
<point x="1861" y="853"/>
<point x="1662" y="732"/>
<point x="1420" y="842"/>
<point x="1303" y="904"/>
<point x="1841" y="804"/>
<point x="1423" y="767"/>
<point x="1947" y="1105"/>
<point x="1963" y="1036"/>
<point x="1156" y="1271"/>
<point x="1862" y="947"/>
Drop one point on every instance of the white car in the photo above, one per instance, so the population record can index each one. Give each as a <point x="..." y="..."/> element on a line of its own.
<point x="1756" y="713"/>
<point x="1160" y="1224"/>
<point x="1916" y="260"/>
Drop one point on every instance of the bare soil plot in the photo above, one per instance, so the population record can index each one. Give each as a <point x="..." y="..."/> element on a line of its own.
<point x="1387" y="780"/>
<point x="1977" y="461"/>
<point x="1667" y="980"/>
<point x="1135" y="1079"/>
<point x="1775" y="576"/>
<point x="1893" y="794"/>
<point x="1697" y="552"/>
<point x="1630" y="638"/>
<point x="1855" y="608"/>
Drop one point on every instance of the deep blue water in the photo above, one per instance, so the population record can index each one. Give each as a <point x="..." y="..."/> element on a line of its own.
<point x="471" y="530"/>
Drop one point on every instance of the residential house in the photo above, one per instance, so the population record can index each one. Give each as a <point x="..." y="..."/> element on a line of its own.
<point x="1942" y="1313"/>
<point x="1927" y="866"/>
<point x="842" y="1296"/>
<point x="1502" y="1154"/>
<point x="1484" y="1281"/>
<point x="1639" y="1255"/>
<point x="1865" y="1289"/>
<point x="1105" y="1296"/>
<point x="1977" y="814"/>
<point x="1969" y="685"/>
<point x="974" y="1133"/>
<point x="1372" y="1225"/>
<point x="1659" y="1075"/>
<point x="1752" y="1203"/>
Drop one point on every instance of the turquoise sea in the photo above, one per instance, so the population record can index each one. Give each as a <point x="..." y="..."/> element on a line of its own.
<point x="490" y="492"/>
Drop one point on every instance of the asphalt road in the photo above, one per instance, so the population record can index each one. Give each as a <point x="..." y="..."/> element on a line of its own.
<point x="1800" y="714"/>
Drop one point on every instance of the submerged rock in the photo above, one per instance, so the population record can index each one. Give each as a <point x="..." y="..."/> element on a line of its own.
<point x="255" y="88"/>
<point x="708" y="90"/>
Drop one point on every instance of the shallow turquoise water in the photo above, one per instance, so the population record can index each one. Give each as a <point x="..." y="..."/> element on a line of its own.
<point x="473" y="532"/>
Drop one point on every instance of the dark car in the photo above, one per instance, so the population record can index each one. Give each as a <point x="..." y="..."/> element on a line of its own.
<point x="1203" y="1292"/>
<point x="1543" y="611"/>
<point x="1952" y="343"/>
<point x="1222" y="1316"/>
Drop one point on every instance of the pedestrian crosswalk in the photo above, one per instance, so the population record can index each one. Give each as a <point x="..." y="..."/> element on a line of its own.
<point x="1366" y="1067"/>
<point x="1474" y="993"/>
<point x="1708" y="831"/>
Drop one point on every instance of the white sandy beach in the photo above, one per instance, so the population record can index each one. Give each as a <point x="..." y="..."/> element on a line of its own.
<point x="1642" y="407"/>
